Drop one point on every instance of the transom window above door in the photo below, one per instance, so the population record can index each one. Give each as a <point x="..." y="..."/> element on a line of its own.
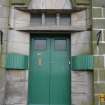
<point x="45" y="19"/>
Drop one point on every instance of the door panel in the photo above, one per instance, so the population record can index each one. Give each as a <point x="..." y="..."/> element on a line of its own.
<point x="59" y="91"/>
<point x="49" y="77"/>
<point x="39" y="73"/>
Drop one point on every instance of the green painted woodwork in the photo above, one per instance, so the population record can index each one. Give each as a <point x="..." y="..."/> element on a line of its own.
<point x="49" y="76"/>
<point x="16" y="61"/>
<point x="82" y="62"/>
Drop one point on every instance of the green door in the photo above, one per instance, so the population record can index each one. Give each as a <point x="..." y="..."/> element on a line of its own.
<point x="49" y="76"/>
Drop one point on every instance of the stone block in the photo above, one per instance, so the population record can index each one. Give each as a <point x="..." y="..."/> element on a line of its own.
<point x="19" y="18"/>
<point x="97" y="12"/>
<point x="98" y="3"/>
<point x="4" y="2"/>
<point x="96" y="100"/>
<point x="19" y="37"/>
<point x="79" y="18"/>
<point x="3" y="23"/>
<point x="102" y="75"/>
<point x="21" y="48"/>
<point x="82" y="87"/>
<point x="16" y="75"/>
<point x="99" y="23"/>
<point x="81" y="37"/>
<point x="100" y="49"/>
<point x="96" y="75"/>
<point x="104" y="35"/>
<point x="2" y="85"/>
<point x="4" y="11"/>
<point x="82" y="99"/>
<point x="104" y="12"/>
<point x="16" y="92"/>
<point x="99" y="88"/>
<point x="99" y="62"/>
<point x="80" y="49"/>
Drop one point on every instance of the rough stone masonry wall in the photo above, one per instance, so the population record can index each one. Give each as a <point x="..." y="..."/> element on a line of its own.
<point x="4" y="14"/>
<point x="98" y="16"/>
<point x="18" y="42"/>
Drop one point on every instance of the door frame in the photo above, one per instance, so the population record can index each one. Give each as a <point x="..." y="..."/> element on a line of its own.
<point x="55" y="34"/>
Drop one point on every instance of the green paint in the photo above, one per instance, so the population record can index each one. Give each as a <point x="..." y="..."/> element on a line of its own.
<point x="82" y="62"/>
<point x="49" y="77"/>
<point x="16" y="61"/>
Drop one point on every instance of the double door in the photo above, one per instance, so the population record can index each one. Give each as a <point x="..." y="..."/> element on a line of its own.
<point x="49" y="76"/>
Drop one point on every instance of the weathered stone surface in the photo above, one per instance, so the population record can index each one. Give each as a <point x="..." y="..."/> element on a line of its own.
<point x="80" y="43"/>
<point x="2" y="85"/>
<point x="82" y="88"/>
<point x="79" y="49"/>
<point x="81" y="37"/>
<point x="16" y="92"/>
<point x="100" y="49"/>
<point x="99" y="88"/>
<point x="104" y="11"/>
<point x="4" y="12"/>
<point x="16" y="75"/>
<point x="3" y="23"/>
<point x="104" y="34"/>
<point x="96" y="76"/>
<point x="99" y="62"/>
<point x="102" y="75"/>
<point x="20" y="48"/>
<point x="96" y="100"/>
<point x="19" y="37"/>
<point x="19" y="18"/>
<point x="98" y="3"/>
<point x="78" y="18"/>
<point x="97" y="12"/>
<point x="94" y="35"/>
<point x="18" y="42"/>
<point x="50" y="4"/>
<point x="99" y="23"/>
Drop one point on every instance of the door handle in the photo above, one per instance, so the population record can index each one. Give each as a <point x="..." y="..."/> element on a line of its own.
<point x="69" y="62"/>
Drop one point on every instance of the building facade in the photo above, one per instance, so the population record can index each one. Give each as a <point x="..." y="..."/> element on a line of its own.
<point x="52" y="52"/>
